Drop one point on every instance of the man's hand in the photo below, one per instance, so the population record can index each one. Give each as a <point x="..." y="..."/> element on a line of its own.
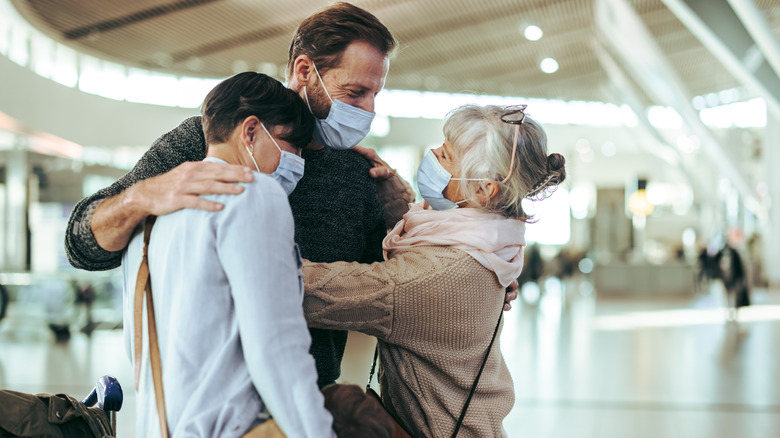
<point x="380" y="170"/>
<point x="182" y="186"/>
<point x="114" y="219"/>
<point x="511" y="295"/>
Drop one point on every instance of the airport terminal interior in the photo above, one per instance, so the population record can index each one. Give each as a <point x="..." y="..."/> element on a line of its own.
<point x="649" y="302"/>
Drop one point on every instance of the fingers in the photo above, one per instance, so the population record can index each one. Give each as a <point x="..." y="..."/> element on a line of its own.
<point x="381" y="173"/>
<point x="183" y="186"/>
<point x="208" y="171"/>
<point x="514" y="285"/>
<point x="212" y="188"/>
<point x="199" y="203"/>
<point x="380" y="170"/>
<point x="510" y="296"/>
<point x="370" y="154"/>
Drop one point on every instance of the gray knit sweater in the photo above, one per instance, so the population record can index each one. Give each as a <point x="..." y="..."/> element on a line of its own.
<point x="338" y="217"/>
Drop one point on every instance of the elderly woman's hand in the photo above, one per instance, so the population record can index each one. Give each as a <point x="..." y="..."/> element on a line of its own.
<point x="511" y="295"/>
<point x="380" y="170"/>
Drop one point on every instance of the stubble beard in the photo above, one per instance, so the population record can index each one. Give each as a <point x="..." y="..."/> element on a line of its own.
<point x="319" y="102"/>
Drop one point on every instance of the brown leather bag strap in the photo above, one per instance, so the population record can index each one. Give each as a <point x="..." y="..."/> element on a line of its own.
<point x="143" y="288"/>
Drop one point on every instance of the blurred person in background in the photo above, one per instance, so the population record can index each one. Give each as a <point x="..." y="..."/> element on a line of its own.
<point x="720" y="262"/>
<point x="534" y="266"/>
<point x="435" y="303"/>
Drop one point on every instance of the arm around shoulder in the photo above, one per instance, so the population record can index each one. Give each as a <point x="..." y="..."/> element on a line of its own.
<point x="169" y="177"/>
<point x="351" y="296"/>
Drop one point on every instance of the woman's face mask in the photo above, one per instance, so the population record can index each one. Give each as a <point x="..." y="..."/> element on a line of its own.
<point x="290" y="168"/>
<point x="432" y="179"/>
<point x="345" y="126"/>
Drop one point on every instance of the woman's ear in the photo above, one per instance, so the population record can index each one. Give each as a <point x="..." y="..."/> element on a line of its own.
<point x="249" y="128"/>
<point x="487" y="191"/>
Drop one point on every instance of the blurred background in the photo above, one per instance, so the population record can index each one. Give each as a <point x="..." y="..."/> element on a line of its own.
<point x="649" y="301"/>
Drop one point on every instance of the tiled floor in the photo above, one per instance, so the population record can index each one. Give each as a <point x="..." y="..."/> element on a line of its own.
<point x="582" y="366"/>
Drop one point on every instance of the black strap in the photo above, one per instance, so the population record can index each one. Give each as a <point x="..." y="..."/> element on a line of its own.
<point x="373" y="367"/>
<point x="479" y="374"/>
<point x="476" y="380"/>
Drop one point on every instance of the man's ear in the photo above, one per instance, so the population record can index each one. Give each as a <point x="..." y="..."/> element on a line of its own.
<point x="487" y="191"/>
<point x="303" y="71"/>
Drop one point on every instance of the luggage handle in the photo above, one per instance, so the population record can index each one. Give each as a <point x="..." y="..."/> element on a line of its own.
<point x="107" y="393"/>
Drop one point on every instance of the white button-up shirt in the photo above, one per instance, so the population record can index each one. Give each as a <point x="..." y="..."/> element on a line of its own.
<point x="228" y="298"/>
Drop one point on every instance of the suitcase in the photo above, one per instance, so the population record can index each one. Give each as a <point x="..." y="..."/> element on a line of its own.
<point x="60" y="415"/>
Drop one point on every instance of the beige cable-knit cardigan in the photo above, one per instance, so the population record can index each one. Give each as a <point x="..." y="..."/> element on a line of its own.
<point x="433" y="310"/>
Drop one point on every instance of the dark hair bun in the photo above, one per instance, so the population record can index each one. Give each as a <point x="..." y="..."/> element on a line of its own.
<point x="556" y="166"/>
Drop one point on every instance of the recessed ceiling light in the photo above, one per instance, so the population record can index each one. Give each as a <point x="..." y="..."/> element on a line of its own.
<point x="549" y="65"/>
<point x="533" y="33"/>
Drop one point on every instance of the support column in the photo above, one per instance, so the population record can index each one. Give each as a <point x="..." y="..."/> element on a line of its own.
<point x="16" y="174"/>
<point x="771" y="230"/>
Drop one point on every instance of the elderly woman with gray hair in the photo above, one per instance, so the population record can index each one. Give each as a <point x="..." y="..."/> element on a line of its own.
<point x="435" y="303"/>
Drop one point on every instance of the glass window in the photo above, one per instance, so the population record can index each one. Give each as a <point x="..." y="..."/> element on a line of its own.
<point x="19" y="51"/>
<point x="66" y="71"/>
<point x="553" y="222"/>
<point x="42" y="55"/>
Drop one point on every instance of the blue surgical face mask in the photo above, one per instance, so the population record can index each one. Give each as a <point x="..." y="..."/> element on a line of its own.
<point x="432" y="179"/>
<point x="345" y="126"/>
<point x="290" y="168"/>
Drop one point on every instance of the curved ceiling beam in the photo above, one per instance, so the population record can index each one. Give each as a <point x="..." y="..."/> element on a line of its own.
<point x="714" y="23"/>
<point x="136" y="17"/>
<point x="759" y="29"/>
<point x="651" y="69"/>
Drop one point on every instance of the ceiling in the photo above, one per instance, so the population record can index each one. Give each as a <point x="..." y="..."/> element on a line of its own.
<point x="445" y="45"/>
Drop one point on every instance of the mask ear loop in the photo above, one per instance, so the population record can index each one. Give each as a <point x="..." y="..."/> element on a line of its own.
<point x="321" y="81"/>
<point x="514" y="151"/>
<point x="272" y="137"/>
<point x="249" y="151"/>
<point x="306" y="97"/>
<point x="252" y="156"/>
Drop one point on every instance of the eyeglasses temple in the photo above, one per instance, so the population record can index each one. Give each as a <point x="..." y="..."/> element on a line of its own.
<point x="514" y="151"/>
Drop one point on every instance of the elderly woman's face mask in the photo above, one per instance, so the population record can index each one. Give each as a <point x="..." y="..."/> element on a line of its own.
<point x="433" y="178"/>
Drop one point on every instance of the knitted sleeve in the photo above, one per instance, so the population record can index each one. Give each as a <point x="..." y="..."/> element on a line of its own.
<point x="184" y="143"/>
<point x="395" y="194"/>
<point x="390" y="299"/>
<point x="350" y="296"/>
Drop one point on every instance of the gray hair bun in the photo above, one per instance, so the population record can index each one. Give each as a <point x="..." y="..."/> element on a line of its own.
<point x="556" y="174"/>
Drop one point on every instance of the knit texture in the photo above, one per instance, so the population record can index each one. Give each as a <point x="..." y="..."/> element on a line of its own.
<point x="184" y="143"/>
<point x="433" y="310"/>
<point x="338" y="217"/>
<point x="395" y="194"/>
